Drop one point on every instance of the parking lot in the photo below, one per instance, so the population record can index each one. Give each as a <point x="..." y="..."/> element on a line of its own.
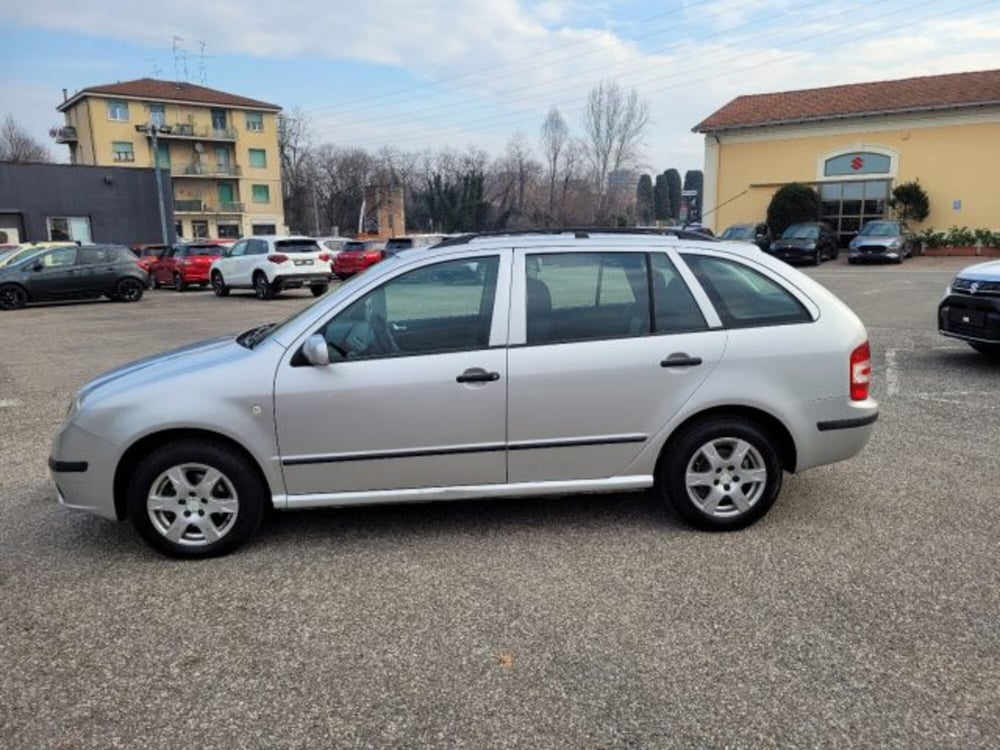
<point x="862" y="611"/>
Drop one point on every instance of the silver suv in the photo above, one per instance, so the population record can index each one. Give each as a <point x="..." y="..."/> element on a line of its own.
<point x="270" y="265"/>
<point x="493" y="366"/>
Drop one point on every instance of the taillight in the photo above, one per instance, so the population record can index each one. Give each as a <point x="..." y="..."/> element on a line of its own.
<point x="861" y="372"/>
<point x="375" y="255"/>
<point x="324" y="256"/>
<point x="277" y="258"/>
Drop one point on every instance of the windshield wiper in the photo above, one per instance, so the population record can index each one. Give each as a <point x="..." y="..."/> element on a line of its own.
<point x="251" y="338"/>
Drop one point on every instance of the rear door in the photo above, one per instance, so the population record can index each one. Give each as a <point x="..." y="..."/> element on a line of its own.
<point x="97" y="269"/>
<point x="606" y="346"/>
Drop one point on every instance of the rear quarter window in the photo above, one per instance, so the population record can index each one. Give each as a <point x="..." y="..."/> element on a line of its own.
<point x="744" y="297"/>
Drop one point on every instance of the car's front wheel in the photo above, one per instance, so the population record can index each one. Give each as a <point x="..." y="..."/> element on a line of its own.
<point x="195" y="499"/>
<point x="179" y="284"/>
<point x="219" y="285"/>
<point x="12" y="297"/>
<point x="129" y="290"/>
<point x="721" y="474"/>
<point x="988" y="350"/>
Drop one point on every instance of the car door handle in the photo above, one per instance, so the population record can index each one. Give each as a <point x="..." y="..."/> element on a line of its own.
<point x="477" y="375"/>
<point x="679" y="359"/>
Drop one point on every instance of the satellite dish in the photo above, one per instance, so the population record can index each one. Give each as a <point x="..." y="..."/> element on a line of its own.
<point x="199" y="148"/>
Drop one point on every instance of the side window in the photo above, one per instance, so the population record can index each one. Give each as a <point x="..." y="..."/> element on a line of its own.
<point x="445" y="307"/>
<point x="744" y="297"/>
<point x="258" y="247"/>
<point x="239" y="249"/>
<point x="64" y="256"/>
<point x="674" y="307"/>
<point x="90" y="255"/>
<point x="586" y="296"/>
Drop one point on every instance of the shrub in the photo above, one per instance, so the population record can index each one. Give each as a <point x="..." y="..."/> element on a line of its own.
<point x="910" y="202"/>
<point x="792" y="203"/>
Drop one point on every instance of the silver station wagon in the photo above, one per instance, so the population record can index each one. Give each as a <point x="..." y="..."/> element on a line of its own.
<point x="488" y="367"/>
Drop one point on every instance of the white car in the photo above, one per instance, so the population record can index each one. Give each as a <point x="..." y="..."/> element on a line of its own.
<point x="562" y="363"/>
<point x="271" y="264"/>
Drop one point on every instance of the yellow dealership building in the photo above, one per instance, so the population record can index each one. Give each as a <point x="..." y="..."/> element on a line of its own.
<point x="854" y="143"/>
<point x="221" y="150"/>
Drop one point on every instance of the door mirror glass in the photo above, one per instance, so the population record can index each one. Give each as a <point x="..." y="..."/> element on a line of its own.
<point x="38" y="266"/>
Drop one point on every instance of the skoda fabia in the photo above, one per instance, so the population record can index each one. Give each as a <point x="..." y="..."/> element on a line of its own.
<point x="488" y="367"/>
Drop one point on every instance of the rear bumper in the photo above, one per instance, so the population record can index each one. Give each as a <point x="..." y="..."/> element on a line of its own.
<point x="833" y="429"/>
<point x="296" y="280"/>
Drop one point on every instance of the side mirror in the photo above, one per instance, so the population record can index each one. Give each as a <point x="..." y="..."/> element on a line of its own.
<point x="225" y="253"/>
<point x="315" y="351"/>
<point x="38" y="266"/>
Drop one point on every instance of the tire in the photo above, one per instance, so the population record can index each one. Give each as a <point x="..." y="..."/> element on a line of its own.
<point x="152" y="282"/>
<point x="817" y="258"/>
<point x="695" y="486"/>
<point x="13" y="297"/>
<point x="318" y="290"/>
<point x="219" y="286"/>
<point x="853" y="261"/>
<point x="219" y="489"/>
<point x="261" y="287"/>
<point x="991" y="351"/>
<point x="129" y="290"/>
<point x="179" y="284"/>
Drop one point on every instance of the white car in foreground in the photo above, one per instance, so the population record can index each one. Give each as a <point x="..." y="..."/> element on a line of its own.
<point x="486" y="367"/>
<point x="970" y="308"/>
<point x="271" y="264"/>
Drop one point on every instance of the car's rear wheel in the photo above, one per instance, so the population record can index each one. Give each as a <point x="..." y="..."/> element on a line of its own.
<point x="318" y="290"/>
<point x="13" y="297"/>
<point x="721" y="474"/>
<point x="179" y="284"/>
<point x="129" y="290"/>
<point x="261" y="287"/>
<point x="195" y="499"/>
<point x="219" y="286"/>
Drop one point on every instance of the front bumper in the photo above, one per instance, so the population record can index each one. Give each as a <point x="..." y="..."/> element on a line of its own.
<point x="874" y="252"/>
<point x="83" y="468"/>
<point x="970" y="318"/>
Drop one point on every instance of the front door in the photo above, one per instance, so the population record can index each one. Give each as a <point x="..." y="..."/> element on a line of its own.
<point x="416" y="394"/>
<point x="55" y="274"/>
<point x="601" y="372"/>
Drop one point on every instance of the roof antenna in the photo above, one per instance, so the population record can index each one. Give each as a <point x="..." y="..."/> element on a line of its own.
<point x="202" y="71"/>
<point x="156" y="68"/>
<point x="180" y="60"/>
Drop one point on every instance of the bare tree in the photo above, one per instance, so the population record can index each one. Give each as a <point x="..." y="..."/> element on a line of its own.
<point x="298" y="170"/>
<point x="16" y="145"/>
<point x="555" y="135"/>
<point x="614" y="123"/>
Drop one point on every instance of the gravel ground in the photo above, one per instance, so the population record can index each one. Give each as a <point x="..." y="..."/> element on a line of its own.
<point x="862" y="611"/>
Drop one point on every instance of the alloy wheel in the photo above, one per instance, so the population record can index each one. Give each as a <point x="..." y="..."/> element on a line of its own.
<point x="192" y="504"/>
<point x="725" y="477"/>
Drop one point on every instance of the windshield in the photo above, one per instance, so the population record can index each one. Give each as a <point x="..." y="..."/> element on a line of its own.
<point x="880" y="229"/>
<point x="738" y="232"/>
<point x="399" y="244"/>
<point x="801" y="232"/>
<point x="297" y="246"/>
<point x="212" y="250"/>
<point x="19" y="255"/>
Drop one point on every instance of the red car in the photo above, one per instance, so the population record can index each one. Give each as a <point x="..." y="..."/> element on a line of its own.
<point x="147" y="255"/>
<point x="184" y="265"/>
<point x="356" y="256"/>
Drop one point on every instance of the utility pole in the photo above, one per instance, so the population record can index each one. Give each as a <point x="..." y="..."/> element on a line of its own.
<point x="150" y="130"/>
<point x="315" y="212"/>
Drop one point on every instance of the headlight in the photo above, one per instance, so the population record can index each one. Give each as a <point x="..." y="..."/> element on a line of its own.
<point x="895" y="244"/>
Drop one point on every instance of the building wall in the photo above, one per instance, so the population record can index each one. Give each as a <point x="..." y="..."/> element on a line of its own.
<point x="954" y="156"/>
<point x="97" y="134"/>
<point x="121" y="204"/>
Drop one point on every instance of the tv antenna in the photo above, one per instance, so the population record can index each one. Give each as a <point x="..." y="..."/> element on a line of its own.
<point x="156" y="68"/>
<point x="202" y="70"/>
<point x="180" y="60"/>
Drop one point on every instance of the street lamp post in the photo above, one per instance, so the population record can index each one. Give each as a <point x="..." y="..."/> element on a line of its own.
<point x="150" y="130"/>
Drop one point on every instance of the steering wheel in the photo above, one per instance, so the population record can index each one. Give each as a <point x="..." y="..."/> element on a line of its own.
<point x="383" y="336"/>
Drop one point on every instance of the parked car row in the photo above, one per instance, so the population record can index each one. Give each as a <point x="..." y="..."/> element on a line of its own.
<point x="815" y="241"/>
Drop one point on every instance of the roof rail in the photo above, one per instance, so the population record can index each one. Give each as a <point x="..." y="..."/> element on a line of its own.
<point x="580" y="233"/>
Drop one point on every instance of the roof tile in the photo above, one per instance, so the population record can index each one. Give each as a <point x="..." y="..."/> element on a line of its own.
<point x="151" y="88"/>
<point x="837" y="102"/>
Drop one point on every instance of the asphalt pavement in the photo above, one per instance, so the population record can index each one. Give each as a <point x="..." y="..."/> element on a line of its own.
<point x="861" y="612"/>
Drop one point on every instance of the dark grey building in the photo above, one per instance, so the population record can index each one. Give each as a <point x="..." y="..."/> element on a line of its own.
<point x="41" y="202"/>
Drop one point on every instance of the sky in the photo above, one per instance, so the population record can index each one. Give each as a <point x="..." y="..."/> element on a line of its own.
<point x="459" y="73"/>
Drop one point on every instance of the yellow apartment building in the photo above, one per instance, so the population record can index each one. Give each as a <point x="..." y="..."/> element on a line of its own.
<point x="221" y="150"/>
<point x="854" y="143"/>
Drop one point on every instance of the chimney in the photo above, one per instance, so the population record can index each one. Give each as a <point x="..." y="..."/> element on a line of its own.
<point x="65" y="95"/>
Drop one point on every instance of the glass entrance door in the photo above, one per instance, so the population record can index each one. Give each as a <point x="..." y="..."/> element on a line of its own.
<point x="848" y="205"/>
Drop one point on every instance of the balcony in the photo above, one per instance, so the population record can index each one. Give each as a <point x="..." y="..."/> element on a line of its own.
<point x="65" y="134"/>
<point x="198" y="206"/>
<point x="205" y="169"/>
<point x="187" y="131"/>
